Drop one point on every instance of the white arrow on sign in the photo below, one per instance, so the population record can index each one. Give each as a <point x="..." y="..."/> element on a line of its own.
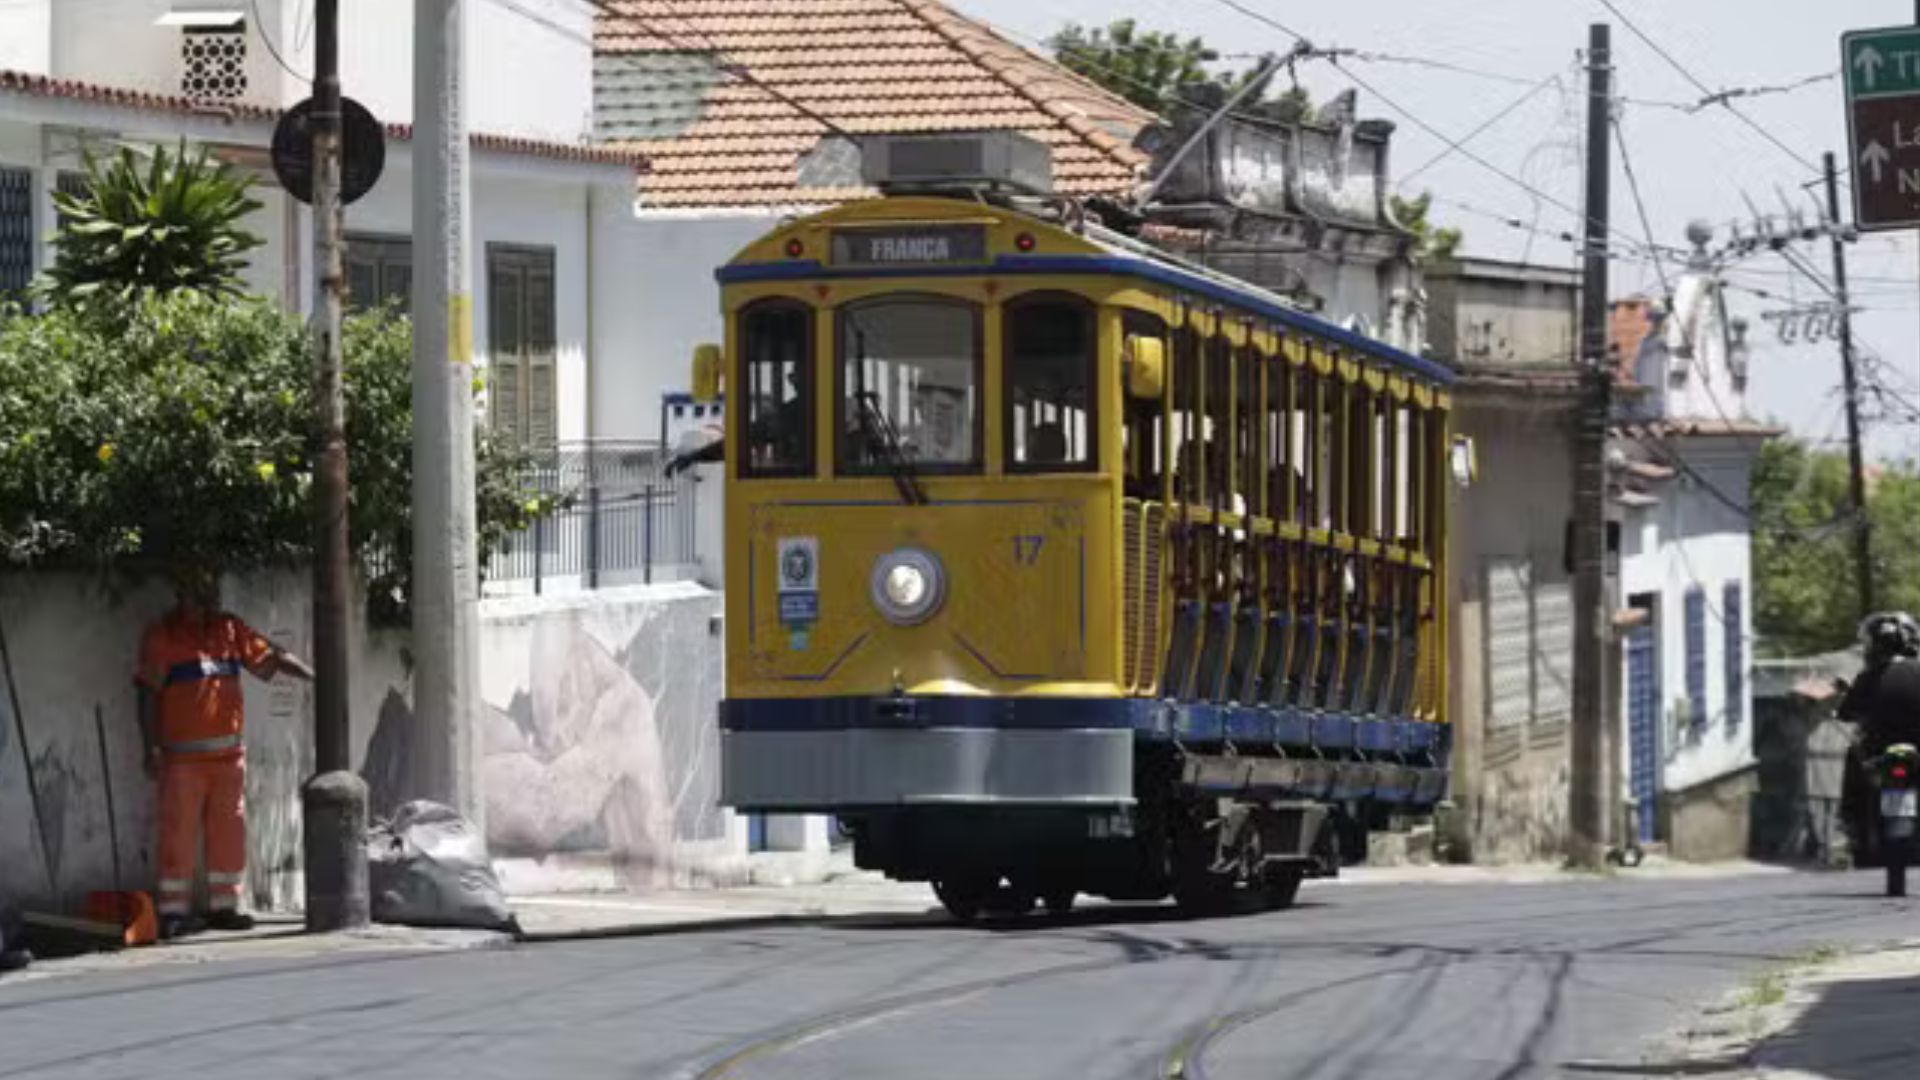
<point x="1875" y="158"/>
<point x="1869" y="61"/>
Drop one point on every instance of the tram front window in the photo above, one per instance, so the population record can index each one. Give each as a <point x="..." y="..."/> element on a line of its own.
<point x="910" y="375"/>
<point x="776" y="349"/>
<point x="1049" y="365"/>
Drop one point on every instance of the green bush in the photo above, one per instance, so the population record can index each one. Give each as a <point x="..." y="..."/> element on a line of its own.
<point x="175" y="432"/>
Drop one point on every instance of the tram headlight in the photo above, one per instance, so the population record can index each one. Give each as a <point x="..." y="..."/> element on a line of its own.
<point x="908" y="586"/>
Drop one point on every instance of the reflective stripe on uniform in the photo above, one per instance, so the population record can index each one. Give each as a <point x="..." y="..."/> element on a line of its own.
<point x="174" y="907"/>
<point x="220" y="901"/>
<point x="204" y="746"/>
<point x="217" y="877"/>
<point x="204" y="668"/>
<point x="168" y="885"/>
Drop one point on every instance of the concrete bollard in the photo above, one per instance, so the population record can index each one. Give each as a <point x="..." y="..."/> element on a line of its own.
<point x="333" y="841"/>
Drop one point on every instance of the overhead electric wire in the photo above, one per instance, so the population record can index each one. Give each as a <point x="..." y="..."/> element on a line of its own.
<point x="1482" y="128"/>
<point x="1686" y="73"/>
<point x="1640" y="206"/>
<point x="260" y="25"/>
<point x="1453" y="144"/>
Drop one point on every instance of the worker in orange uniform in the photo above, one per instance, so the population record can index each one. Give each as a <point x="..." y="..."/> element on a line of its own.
<point x="192" y="714"/>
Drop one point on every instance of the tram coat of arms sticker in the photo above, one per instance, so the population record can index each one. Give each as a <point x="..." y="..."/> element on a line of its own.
<point x="798" y="568"/>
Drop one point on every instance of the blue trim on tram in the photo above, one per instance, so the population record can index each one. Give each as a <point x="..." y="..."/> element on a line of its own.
<point x="813" y="269"/>
<point x="1152" y="720"/>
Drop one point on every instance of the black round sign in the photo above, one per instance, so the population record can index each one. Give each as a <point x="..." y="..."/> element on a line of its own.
<point x="363" y="151"/>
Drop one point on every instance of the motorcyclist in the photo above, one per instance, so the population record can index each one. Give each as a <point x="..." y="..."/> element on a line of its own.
<point x="1884" y="702"/>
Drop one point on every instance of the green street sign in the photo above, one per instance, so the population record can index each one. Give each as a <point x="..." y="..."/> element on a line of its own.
<point x="1882" y="69"/>
<point x="1880" y="62"/>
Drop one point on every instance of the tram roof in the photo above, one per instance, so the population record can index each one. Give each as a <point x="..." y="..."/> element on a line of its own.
<point x="1109" y="253"/>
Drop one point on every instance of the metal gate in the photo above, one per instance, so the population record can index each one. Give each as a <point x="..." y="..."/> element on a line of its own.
<point x="1643" y="724"/>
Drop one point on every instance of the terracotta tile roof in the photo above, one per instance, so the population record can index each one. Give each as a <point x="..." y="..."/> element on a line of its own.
<point x="19" y="82"/>
<point x="666" y="86"/>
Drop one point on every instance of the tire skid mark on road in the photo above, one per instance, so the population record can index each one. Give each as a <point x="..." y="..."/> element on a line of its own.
<point x="1186" y="1061"/>
<point x="840" y="1021"/>
<point x="292" y="1019"/>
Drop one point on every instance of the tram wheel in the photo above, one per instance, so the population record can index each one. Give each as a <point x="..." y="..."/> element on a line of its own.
<point x="1280" y="885"/>
<point x="963" y="898"/>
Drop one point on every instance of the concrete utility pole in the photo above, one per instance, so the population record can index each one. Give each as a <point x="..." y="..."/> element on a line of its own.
<point x="1592" y="614"/>
<point x="1862" y="526"/>
<point x="334" y="819"/>
<point x="446" y="578"/>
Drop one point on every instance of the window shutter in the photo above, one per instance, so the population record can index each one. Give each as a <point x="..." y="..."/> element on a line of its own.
<point x="505" y="299"/>
<point x="1553" y="652"/>
<point x="1696" y="656"/>
<point x="1736" y="653"/>
<point x="16" y="231"/>
<point x="1509" y="633"/>
<point x="543" y="426"/>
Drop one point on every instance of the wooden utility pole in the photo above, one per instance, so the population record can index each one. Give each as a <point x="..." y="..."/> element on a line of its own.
<point x="334" y="802"/>
<point x="1862" y="526"/>
<point x="1587" y="794"/>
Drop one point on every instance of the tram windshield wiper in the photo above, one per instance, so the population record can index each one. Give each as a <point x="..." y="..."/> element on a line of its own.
<point x="883" y="442"/>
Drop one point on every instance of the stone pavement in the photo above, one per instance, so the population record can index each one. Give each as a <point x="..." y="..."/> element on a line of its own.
<point x="1830" y="1016"/>
<point x="847" y="893"/>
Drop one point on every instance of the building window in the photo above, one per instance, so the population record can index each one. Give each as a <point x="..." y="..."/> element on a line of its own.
<point x="16" y="232"/>
<point x="776" y="383"/>
<point x="1049" y="359"/>
<point x="379" y="271"/>
<point x="521" y="316"/>
<point x="1696" y="610"/>
<point x="1733" y="619"/>
<point x="71" y="183"/>
<point x="213" y="63"/>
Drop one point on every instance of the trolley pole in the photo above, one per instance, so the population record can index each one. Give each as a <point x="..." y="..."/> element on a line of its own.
<point x="1857" y="478"/>
<point x="334" y="801"/>
<point x="1592" y="618"/>
<point x="446" y="575"/>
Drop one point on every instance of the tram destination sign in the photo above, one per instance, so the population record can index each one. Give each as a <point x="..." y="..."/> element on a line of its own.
<point x="915" y="245"/>
<point x="1882" y="71"/>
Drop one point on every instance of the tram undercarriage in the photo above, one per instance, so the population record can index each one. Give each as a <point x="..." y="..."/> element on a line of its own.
<point x="1211" y="852"/>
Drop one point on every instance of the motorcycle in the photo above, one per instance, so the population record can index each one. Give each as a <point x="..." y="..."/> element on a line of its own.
<point x="1897" y="774"/>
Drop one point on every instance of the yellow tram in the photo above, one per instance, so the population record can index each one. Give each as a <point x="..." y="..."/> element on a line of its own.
<point x="1057" y="565"/>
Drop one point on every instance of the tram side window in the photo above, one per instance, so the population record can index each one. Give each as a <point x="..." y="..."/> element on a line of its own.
<point x="1049" y="359"/>
<point x="776" y="358"/>
<point x="910" y="382"/>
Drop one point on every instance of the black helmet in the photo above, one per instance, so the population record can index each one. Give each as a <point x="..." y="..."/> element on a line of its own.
<point x="1888" y="634"/>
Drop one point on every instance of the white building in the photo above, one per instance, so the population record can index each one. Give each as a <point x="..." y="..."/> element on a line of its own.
<point x="80" y="76"/>
<point x="1684" y="454"/>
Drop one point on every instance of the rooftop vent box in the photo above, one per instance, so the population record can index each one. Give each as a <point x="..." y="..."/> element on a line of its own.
<point x="957" y="160"/>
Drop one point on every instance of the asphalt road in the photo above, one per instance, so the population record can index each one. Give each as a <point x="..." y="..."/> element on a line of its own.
<point x="1376" y="982"/>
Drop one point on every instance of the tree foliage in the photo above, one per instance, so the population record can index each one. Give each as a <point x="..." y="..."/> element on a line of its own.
<point x="1431" y="242"/>
<point x="1805" y="599"/>
<point x="175" y="433"/>
<point x="1158" y="71"/>
<point x="172" y="222"/>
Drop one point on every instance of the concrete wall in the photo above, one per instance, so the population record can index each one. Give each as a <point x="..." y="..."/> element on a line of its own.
<point x="71" y="648"/>
<point x="1510" y="771"/>
<point x="655" y="301"/>
<point x="26" y="36"/>
<point x="599" y="760"/>
<point x="1485" y="312"/>
<point x="1712" y="821"/>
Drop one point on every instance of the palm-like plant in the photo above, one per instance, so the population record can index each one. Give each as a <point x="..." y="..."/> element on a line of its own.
<point x="167" y="223"/>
